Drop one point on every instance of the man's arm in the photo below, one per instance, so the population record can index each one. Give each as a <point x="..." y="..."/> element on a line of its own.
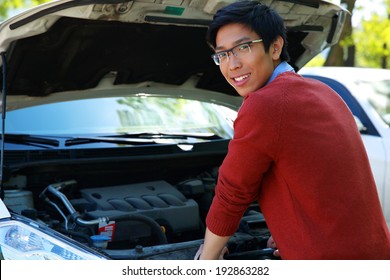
<point x="214" y="246"/>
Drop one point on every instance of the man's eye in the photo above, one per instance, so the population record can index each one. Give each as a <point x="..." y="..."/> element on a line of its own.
<point x="222" y="55"/>
<point x="243" y="48"/>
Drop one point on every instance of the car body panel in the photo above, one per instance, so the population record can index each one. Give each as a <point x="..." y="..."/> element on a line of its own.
<point x="4" y="213"/>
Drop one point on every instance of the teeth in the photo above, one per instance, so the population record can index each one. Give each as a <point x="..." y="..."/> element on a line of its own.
<point x="239" y="79"/>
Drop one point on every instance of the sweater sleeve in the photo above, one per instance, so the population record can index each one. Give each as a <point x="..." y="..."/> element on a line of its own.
<point x="251" y="153"/>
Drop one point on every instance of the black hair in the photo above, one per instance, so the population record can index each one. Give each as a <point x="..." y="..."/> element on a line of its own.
<point x="265" y="21"/>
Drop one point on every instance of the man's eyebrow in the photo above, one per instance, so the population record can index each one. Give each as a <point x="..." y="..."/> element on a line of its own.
<point x="237" y="42"/>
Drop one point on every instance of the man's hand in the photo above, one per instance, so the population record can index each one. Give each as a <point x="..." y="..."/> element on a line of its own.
<point x="271" y="244"/>
<point x="224" y="251"/>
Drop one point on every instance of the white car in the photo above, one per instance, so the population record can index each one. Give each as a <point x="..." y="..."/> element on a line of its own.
<point x="115" y="121"/>
<point x="366" y="91"/>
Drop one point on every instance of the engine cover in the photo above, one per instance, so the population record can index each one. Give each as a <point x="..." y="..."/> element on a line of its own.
<point x="157" y="200"/>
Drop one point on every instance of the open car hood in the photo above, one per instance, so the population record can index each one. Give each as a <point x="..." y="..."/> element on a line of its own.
<point x="70" y="45"/>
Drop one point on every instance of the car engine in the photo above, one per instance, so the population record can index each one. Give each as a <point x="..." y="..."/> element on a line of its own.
<point x="159" y="201"/>
<point x="161" y="218"/>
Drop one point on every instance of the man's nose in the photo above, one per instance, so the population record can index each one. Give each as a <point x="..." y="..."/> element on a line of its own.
<point x="234" y="61"/>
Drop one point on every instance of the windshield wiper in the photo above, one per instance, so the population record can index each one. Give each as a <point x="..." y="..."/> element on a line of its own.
<point x="140" y="138"/>
<point x="109" y="139"/>
<point x="181" y="135"/>
<point x="27" y="139"/>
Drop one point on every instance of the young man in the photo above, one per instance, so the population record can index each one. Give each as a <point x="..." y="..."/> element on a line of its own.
<point x="296" y="150"/>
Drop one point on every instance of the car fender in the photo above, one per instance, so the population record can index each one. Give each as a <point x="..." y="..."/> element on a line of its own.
<point x="4" y="213"/>
<point x="386" y="194"/>
<point x="379" y="161"/>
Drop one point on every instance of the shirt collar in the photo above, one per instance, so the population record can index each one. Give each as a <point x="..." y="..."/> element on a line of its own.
<point x="281" y="68"/>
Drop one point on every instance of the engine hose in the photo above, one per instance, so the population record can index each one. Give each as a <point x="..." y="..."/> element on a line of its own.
<point x="76" y="234"/>
<point x="155" y="227"/>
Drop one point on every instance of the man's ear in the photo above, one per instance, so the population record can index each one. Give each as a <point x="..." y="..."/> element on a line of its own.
<point x="276" y="48"/>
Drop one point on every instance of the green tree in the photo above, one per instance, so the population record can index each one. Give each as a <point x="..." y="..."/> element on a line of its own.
<point x="6" y="6"/>
<point x="367" y="44"/>
<point x="372" y="40"/>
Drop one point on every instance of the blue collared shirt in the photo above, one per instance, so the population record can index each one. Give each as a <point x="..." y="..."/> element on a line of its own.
<point x="281" y="68"/>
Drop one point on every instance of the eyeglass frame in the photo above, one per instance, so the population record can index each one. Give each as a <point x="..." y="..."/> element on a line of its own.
<point x="215" y="55"/>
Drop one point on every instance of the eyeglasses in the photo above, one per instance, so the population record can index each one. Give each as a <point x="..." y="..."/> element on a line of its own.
<point x="237" y="51"/>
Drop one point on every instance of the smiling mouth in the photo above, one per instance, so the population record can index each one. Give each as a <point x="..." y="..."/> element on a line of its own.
<point x="241" y="78"/>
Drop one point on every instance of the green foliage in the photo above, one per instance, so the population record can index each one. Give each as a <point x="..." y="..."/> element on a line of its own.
<point x="318" y="60"/>
<point x="7" y="6"/>
<point x="373" y="41"/>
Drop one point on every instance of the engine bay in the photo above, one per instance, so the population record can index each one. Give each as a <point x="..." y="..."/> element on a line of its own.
<point x="140" y="215"/>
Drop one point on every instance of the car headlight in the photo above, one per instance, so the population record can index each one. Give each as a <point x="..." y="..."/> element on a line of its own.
<point x="19" y="241"/>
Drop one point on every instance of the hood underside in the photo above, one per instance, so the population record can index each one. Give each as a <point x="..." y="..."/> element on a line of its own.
<point x="76" y="52"/>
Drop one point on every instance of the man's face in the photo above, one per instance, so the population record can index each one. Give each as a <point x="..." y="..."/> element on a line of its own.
<point x="249" y="71"/>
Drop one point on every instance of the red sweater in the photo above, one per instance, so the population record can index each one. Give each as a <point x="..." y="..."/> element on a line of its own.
<point x="298" y="152"/>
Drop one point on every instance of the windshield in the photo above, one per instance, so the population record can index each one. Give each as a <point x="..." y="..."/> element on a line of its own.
<point x="378" y="94"/>
<point x="123" y="115"/>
